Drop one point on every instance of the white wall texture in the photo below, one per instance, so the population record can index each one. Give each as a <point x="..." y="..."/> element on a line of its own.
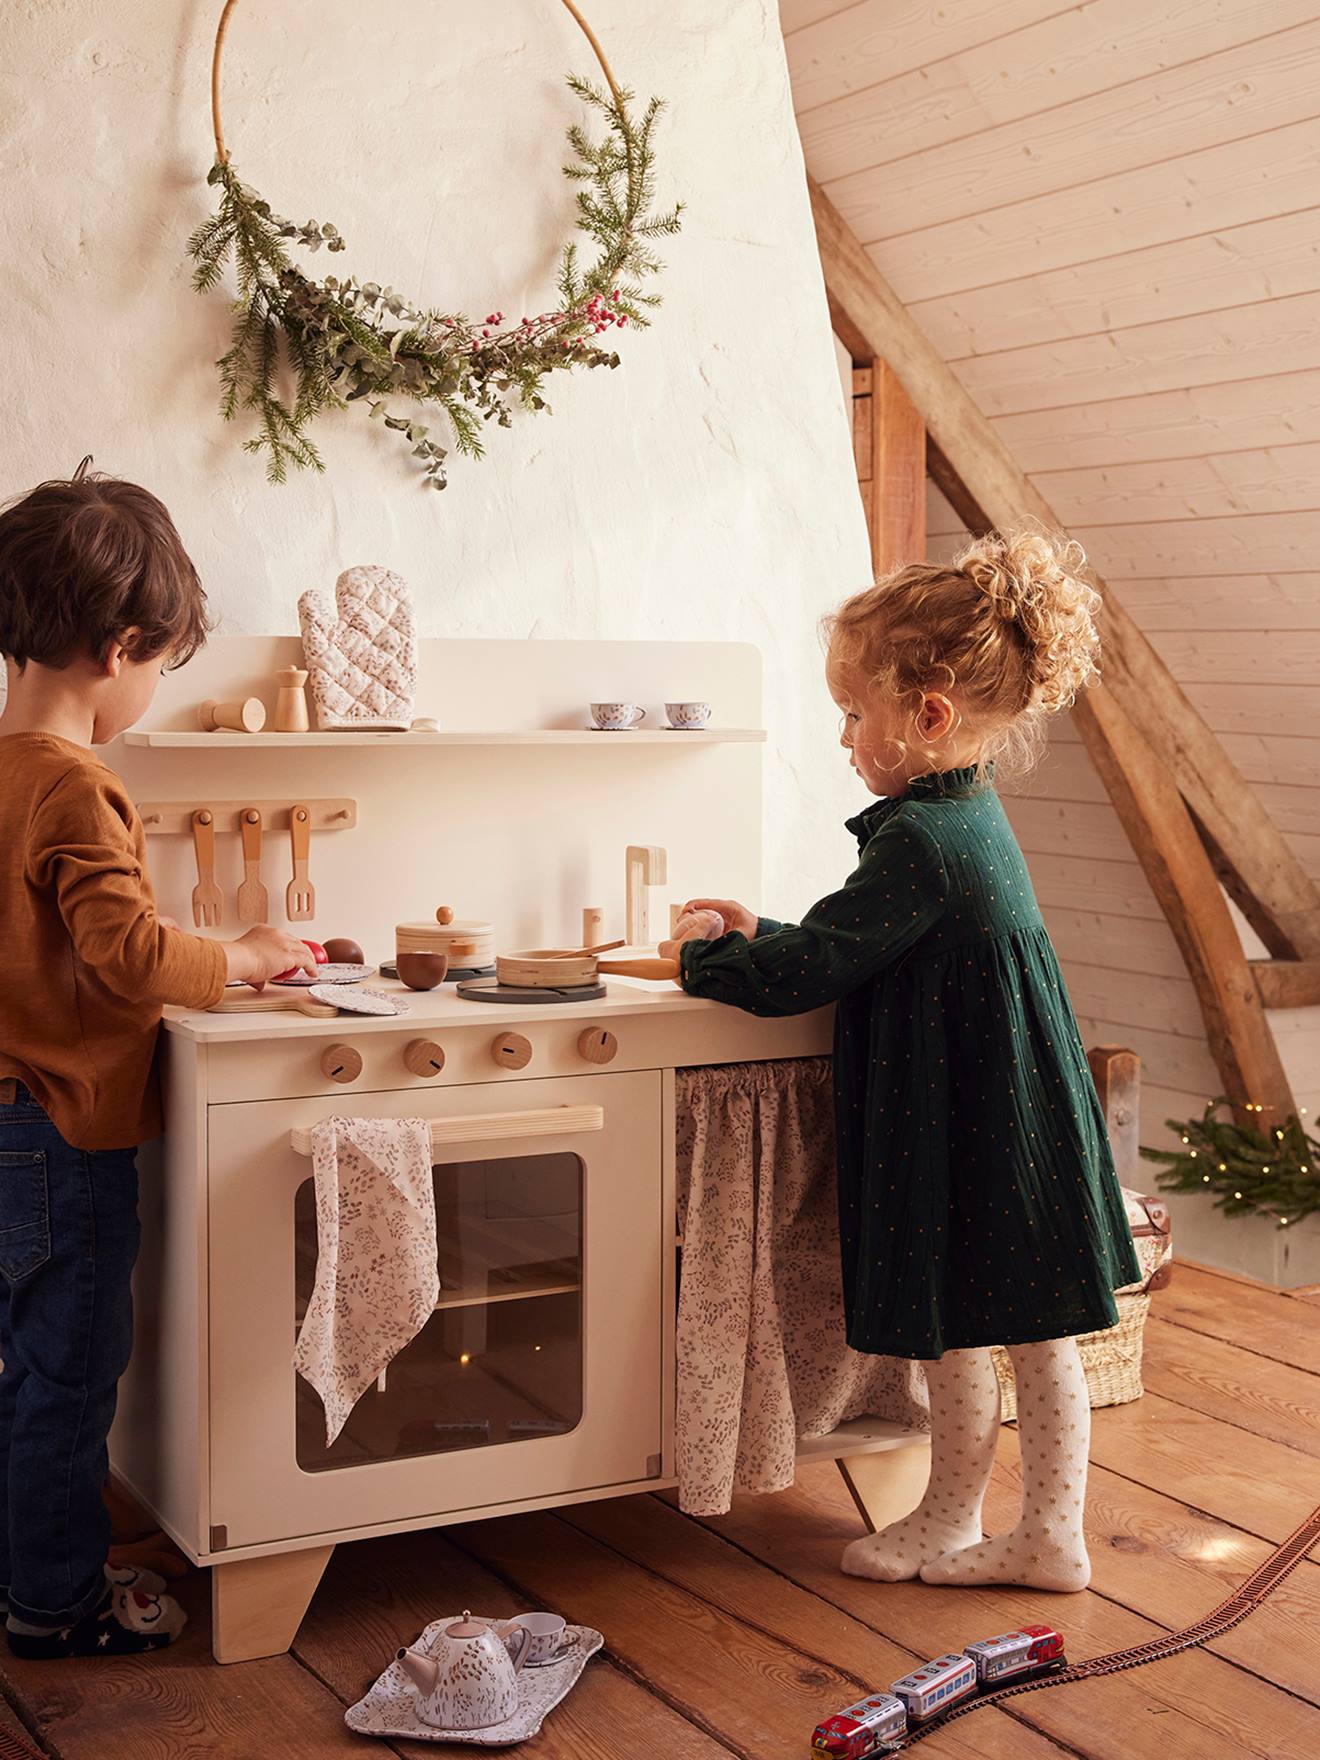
<point x="706" y="487"/>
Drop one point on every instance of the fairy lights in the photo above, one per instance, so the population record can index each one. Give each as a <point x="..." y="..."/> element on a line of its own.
<point x="1274" y="1173"/>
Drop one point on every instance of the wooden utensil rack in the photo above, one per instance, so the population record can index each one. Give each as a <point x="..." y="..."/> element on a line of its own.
<point x="174" y="818"/>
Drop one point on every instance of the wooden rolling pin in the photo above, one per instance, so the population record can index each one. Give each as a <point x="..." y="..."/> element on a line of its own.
<point x="249" y="716"/>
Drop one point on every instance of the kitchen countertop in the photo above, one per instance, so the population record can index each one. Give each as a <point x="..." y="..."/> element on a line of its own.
<point x="436" y="1009"/>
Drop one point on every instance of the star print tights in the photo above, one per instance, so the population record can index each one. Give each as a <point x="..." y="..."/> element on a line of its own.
<point x="941" y="1541"/>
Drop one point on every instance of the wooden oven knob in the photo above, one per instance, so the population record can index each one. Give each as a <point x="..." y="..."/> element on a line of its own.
<point x="511" y="1051"/>
<point x="423" y="1057"/>
<point x="341" y="1063"/>
<point x="597" y="1046"/>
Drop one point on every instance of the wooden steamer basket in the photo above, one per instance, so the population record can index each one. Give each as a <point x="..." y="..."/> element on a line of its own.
<point x="467" y="942"/>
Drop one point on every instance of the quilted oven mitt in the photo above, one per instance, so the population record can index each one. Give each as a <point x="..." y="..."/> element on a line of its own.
<point x="362" y="651"/>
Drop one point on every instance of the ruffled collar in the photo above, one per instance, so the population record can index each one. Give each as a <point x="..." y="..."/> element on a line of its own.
<point x="937" y="785"/>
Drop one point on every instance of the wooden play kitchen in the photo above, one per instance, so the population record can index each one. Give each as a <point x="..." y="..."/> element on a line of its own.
<point x="546" y="1373"/>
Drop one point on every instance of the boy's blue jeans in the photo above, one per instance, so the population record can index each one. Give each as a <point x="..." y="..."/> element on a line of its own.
<point x="68" y="1242"/>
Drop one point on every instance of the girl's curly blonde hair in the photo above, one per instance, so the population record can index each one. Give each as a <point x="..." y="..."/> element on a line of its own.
<point x="1008" y="626"/>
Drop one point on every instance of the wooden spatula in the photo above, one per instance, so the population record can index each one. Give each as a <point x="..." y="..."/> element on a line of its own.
<point x="207" y="900"/>
<point x="300" y="895"/>
<point x="253" y="899"/>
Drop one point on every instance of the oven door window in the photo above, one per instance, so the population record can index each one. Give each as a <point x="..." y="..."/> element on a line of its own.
<point x="501" y="1358"/>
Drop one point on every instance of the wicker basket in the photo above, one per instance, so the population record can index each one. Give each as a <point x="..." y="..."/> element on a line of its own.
<point x="1112" y="1358"/>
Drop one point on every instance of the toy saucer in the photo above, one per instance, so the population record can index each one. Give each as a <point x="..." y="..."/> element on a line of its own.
<point x="390" y="1707"/>
<point x="327" y="974"/>
<point x="354" y="1001"/>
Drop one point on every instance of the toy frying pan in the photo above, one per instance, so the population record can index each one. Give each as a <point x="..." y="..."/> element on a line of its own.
<point x="543" y="968"/>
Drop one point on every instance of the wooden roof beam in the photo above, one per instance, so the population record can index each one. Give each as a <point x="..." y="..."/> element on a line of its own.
<point x="1261" y="873"/>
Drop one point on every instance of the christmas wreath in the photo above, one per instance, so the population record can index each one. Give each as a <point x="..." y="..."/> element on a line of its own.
<point x="345" y="341"/>
<point x="1276" y="1173"/>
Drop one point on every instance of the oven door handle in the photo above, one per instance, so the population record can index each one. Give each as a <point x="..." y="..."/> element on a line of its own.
<point x="487" y="1127"/>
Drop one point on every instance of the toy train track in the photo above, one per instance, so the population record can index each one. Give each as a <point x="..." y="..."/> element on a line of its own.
<point x="1244" y="1600"/>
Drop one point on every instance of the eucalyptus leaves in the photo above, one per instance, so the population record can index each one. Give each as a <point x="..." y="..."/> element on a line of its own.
<point x="345" y="341"/>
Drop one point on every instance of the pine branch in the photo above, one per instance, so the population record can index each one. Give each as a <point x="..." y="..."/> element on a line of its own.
<point x="342" y="342"/>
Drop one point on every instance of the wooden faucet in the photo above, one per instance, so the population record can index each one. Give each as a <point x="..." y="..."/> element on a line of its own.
<point x="647" y="866"/>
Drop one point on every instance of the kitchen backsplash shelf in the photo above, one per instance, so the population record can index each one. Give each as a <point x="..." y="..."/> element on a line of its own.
<point x="525" y="736"/>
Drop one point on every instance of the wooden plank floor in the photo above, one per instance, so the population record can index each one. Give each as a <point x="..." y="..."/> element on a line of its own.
<point x="732" y="1636"/>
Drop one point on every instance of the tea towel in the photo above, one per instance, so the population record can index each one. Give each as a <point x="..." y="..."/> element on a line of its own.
<point x="376" y="1279"/>
<point x="762" y="1355"/>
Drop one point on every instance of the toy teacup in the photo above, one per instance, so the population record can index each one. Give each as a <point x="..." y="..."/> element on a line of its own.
<point x="615" y="717"/>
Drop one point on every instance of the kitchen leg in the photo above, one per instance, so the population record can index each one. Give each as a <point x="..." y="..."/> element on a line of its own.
<point x="888" y="1485"/>
<point x="257" y="1604"/>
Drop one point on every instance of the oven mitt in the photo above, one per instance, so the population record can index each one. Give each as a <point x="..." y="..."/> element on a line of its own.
<point x="361" y="652"/>
<point x="376" y="1279"/>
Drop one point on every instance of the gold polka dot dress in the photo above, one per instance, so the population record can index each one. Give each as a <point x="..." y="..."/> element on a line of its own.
<point x="977" y="1197"/>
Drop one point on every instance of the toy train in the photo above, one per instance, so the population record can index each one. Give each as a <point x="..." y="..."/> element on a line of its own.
<point x="877" y="1723"/>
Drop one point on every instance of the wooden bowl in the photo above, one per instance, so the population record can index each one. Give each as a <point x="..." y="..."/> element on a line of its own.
<point x="421" y="971"/>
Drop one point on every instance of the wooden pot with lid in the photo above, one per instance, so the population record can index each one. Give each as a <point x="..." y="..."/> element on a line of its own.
<point x="466" y="942"/>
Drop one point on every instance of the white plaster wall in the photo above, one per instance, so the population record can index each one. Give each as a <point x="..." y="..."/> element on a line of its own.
<point x="705" y="487"/>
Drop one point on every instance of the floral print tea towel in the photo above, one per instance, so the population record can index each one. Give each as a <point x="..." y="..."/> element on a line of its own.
<point x="376" y="1279"/>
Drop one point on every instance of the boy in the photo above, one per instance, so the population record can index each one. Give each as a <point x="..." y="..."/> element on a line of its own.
<point x="97" y="595"/>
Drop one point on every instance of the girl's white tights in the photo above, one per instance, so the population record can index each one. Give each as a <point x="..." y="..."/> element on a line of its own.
<point x="941" y="1540"/>
<point x="964" y="1427"/>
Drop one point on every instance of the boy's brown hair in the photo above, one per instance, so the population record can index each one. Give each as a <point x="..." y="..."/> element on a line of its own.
<point x="86" y="558"/>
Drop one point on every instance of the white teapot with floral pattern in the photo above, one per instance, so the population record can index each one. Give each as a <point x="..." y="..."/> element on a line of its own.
<point x="471" y="1679"/>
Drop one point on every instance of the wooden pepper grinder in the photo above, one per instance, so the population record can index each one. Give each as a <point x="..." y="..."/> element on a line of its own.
<point x="291" y="704"/>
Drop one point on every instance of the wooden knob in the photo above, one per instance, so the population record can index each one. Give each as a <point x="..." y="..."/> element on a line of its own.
<point x="341" y="1063"/>
<point x="445" y="915"/>
<point x="512" y="1051"/>
<point x="597" y="1046"/>
<point x="249" y="716"/>
<point x="423" y="1057"/>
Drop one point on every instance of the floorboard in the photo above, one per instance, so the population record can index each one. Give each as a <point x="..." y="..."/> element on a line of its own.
<point x="1269" y="1399"/>
<point x="733" y="1636"/>
<point x="1203" y="1707"/>
<point x="378" y="1595"/>
<point x="654" y="1536"/>
<point x="1268" y="1322"/>
<point x="1158" y="1558"/>
<point x="179" y="1705"/>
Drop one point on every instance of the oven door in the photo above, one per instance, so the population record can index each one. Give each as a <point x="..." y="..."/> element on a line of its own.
<point x="540" y="1372"/>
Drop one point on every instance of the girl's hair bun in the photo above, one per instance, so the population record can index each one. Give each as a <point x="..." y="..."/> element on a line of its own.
<point x="1033" y="581"/>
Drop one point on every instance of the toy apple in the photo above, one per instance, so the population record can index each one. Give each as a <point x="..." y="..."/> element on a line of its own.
<point x="317" y="952"/>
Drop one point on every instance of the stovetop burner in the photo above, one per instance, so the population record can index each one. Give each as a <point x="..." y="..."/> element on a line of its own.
<point x="491" y="990"/>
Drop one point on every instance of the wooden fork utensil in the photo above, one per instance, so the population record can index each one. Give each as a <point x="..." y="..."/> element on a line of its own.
<point x="300" y="895"/>
<point x="207" y="899"/>
<point x="253" y="899"/>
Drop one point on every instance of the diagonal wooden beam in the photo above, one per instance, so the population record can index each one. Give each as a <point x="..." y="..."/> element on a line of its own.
<point x="1262" y="874"/>
<point x="889" y="441"/>
<point x="1184" y="881"/>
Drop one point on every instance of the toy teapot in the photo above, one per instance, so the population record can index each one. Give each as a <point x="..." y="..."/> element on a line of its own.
<point x="471" y="1680"/>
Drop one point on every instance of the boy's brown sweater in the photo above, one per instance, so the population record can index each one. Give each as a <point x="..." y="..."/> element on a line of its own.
<point x="85" y="962"/>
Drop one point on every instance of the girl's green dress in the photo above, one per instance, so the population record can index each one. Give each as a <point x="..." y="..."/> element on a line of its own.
<point x="977" y="1197"/>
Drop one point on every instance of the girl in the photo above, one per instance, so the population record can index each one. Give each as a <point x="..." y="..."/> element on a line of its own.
<point x="977" y="1198"/>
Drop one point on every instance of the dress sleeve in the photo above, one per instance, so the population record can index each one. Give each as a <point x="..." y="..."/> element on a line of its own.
<point x="896" y="894"/>
<point x="84" y="848"/>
